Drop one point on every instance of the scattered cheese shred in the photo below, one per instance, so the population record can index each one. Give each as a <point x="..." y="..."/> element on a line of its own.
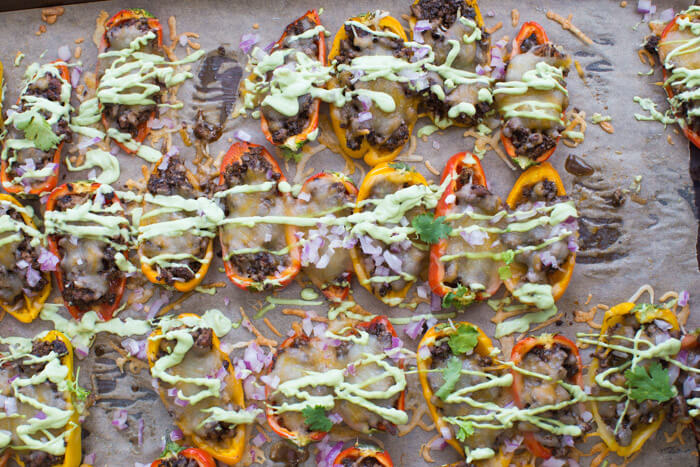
<point x="174" y="304"/>
<point x="259" y="338"/>
<point x="431" y="169"/>
<point x="607" y="127"/>
<point x="494" y="28"/>
<point x="302" y="314"/>
<point x="272" y="328"/>
<point x="579" y="70"/>
<point x="514" y="17"/>
<point x="645" y="57"/>
<point x="567" y="25"/>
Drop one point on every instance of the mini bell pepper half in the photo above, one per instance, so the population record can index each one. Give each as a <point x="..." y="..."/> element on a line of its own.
<point x="153" y="23"/>
<point x="372" y="155"/>
<point x="32" y="305"/>
<point x="454" y="167"/>
<point x="560" y="278"/>
<point x="311" y="125"/>
<point x="400" y="178"/>
<point x="105" y="310"/>
<point x="333" y="292"/>
<point x="689" y="133"/>
<point x="281" y="279"/>
<point x="527" y="30"/>
<point x="234" y="449"/>
<point x="51" y="181"/>
<point x="518" y="354"/>
<point x="640" y="436"/>
<point x="152" y="273"/>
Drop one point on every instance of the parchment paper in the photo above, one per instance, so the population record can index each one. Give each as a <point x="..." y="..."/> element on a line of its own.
<point x="656" y="244"/>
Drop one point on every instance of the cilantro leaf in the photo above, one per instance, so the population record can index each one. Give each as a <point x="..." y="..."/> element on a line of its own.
<point x="40" y="133"/>
<point x="654" y="385"/>
<point x="508" y="256"/>
<point x="460" y="298"/>
<point x="171" y="449"/>
<point x="74" y="387"/>
<point x="504" y="273"/>
<point x="466" y="429"/>
<point x="401" y="166"/>
<point x="316" y="419"/>
<point x="291" y="155"/>
<point x="451" y="374"/>
<point x="430" y="229"/>
<point x="464" y="340"/>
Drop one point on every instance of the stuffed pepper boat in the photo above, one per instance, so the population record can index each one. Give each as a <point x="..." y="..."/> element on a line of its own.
<point x="39" y="424"/>
<point x="462" y="382"/>
<point x="89" y="234"/>
<point x="38" y="127"/>
<point x="464" y="267"/>
<point x="259" y="249"/>
<point x="325" y="257"/>
<point x="25" y="283"/>
<point x="177" y="227"/>
<point x="389" y="258"/>
<point x="373" y="116"/>
<point x="548" y="374"/>
<point x="197" y="384"/>
<point x="635" y="347"/>
<point x="533" y="98"/>
<point x="351" y="374"/>
<point x="458" y="89"/>
<point x="285" y="83"/>
<point x="363" y="456"/>
<point x="542" y="235"/>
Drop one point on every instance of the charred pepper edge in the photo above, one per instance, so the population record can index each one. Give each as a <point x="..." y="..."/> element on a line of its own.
<point x="372" y="155"/>
<point x="301" y="138"/>
<point x="234" y="153"/>
<point x="151" y="273"/>
<point x="640" y="436"/>
<point x="51" y="181"/>
<point x="334" y="293"/>
<point x="116" y="20"/>
<point x="32" y="306"/>
<point x="437" y="250"/>
<point x="74" y="188"/>
<point x="355" y="453"/>
<point x="520" y="350"/>
<point x="527" y="29"/>
<point x="202" y="458"/>
<point x="561" y="278"/>
<point x="383" y="170"/>
<point x="235" y="449"/>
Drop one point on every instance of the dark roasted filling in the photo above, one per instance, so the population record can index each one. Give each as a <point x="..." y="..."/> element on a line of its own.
<point x="178" y="461"/>
<point x="363" y="462"/>
<point x="447" y="11"/>
<point x="42" y="459"/>
<point x="545" y="190"/>
<point x="282" y="127"/>
<point x="171" y="181"/>
<point x="121" y="35"/>
<point x="130" y="117"/>
<point x="258" y="266"/>
<point x="253" y="160"/>
<point x="530" y="143"/>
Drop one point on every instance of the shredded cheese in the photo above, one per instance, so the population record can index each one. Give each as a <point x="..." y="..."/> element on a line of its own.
<point x="567" y="25"/>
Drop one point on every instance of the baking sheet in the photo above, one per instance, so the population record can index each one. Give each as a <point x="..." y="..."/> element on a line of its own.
<point x="655" y="245"/>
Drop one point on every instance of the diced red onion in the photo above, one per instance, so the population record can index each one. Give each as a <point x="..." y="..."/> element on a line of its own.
<point x="327" y="453"/>
<point x="182" y="40"/>
<point x="368" y="247"/>
<point x="548" y="259"/>
<point x="439" y="444"/>
<point x="90" y="459"/>
<point x="553" y="462"/>
<point x="420" y="52"/>
<point x="445" y="433"/>
<point x="81" y="352"/>
<point x="164" y="162"/>
<point x="667" y="15"/>
<point x="424" y="352"/>
<point x="22" y="264"/>
<point x="393" y="261"/>
<point x="163" y="299"/>
<point x="136" y="348"/>
<point x="271" y="380"/>
<point x="350" y="370"/>
<point x="75" y="76"/>
<point x="474" y="237"/>
<point x="181" y="402"/>
<point x="490" y="13"/>
<point x="88" y="142"/>
<point x="241" y="135"/>
<point x="673" y="373"/>
<point x="683" y="298"/>
<point x="364" y="116"/>
<point x="422" y="25"/>
<point x="248" y="41"/>
<point x="176" y="435"/>
<point x="335" y="418"/>
<point x="413" y="330"/>
<point x="64" y="53"/>
<point x="511" y="445"/>
<point x="643" y="6"/>
<point x="365" y="101"/>
<point x="435" y="302"/>
<point x="10" y="404"/>
<point x="253" y="390"/>
<point x="689" y="385"/>
<point x="119" y="419"/>
<point x="47" y="260"/>
<point x="436" y="145"/>
<point x="155" y="124"/>
<point x="259" y="440"/>
<point x="663" y="325"/>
